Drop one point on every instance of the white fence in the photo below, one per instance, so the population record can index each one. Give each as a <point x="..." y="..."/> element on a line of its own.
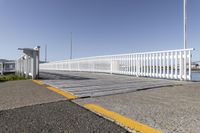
<point x="172" y="64"/>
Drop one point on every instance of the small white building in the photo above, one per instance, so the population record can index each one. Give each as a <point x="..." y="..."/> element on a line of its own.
<point x="7" y="66"/>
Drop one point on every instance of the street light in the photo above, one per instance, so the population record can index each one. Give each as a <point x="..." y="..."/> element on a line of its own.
<point x="71" y="46"/>
<point x="185" y="23"/>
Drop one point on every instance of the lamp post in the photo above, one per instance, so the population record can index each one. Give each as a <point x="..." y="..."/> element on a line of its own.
<point x="45" y="53"/>
<point x="185" y="23"/>
<point x="71" y="46"/>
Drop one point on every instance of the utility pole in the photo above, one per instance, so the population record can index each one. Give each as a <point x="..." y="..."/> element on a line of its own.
<point x="71" y="47"/>
<point x="185" y="23"/>
<point x="45" y="53"/>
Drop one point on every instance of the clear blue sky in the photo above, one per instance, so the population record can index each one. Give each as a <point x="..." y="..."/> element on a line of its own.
<point x="99" y="26"/>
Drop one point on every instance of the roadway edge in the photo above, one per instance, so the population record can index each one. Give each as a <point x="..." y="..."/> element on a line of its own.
<point x="68" y="95"/>
<point x="122" y="120"/>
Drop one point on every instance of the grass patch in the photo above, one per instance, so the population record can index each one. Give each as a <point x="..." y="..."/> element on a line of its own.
<point x="11" y="77"/>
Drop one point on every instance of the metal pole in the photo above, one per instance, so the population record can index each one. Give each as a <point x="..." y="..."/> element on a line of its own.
<point x="71" y="47"/>
<point x="185" y="24"/>
<point x="45" y="53"/>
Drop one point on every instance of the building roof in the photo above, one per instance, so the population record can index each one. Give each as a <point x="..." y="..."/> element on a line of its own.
<point x="4" y="60"/>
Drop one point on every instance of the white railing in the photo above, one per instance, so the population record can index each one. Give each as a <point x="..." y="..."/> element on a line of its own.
<point x="171" y="64"/>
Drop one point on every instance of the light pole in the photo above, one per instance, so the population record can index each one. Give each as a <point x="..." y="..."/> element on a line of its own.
<point x="185" y="23"/>
<point x="71" y="47"/>
<point x="45" y="53"/>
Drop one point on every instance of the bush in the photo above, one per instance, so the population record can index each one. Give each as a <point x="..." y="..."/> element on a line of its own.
<point x="10" y="77"/>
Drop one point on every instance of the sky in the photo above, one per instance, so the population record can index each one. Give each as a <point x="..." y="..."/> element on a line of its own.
<point x="99" y="27"/>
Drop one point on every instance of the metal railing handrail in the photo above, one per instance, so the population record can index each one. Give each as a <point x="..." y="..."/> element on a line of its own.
<point x="85" y="58"/>
<point x="173" y="64"/>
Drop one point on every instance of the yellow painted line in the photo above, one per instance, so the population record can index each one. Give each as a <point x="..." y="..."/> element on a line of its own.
<point x="65" y="94"/>
<point x="131" y="124"/>
<point x="38" y="82"/>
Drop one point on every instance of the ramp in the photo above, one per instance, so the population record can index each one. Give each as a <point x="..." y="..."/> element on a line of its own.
<point x="84" y="84"/>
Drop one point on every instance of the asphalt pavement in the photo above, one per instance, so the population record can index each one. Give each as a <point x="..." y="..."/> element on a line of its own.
<point x="28" y="107"/>
<point x="15" y="94"/>
<point x="174" y="109"/>
<point x="55" y="117"/>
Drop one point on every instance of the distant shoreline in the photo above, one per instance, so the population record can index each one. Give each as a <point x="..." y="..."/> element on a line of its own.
<point x="195" y="70"/>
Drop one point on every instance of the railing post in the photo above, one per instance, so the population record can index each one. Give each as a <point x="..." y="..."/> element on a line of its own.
<point x="189" y="60"/>
<point x="185" y="65"/>
<point x="168" y="64"/>
<point x="164" y="65"/>
<point x="160" y="65"/>
<point x="78" y="65"/>
<point x="181" y="66"/>
<point x="172" y="65"/>
<point x="137" y="65"/>
<point x="176" y="65"/>
<point x="111" y="66"/>
<point x="131" y="64"/>
<point x="148" y="65"/>
<point x="156" y="64"/>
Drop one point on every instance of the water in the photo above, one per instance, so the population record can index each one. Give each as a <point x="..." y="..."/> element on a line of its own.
<point x="196" y="76"/>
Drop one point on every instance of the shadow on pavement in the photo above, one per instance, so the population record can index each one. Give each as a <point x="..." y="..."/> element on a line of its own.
<point x="55" y="76"/>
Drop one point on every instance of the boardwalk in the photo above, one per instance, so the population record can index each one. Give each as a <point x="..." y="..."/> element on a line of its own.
<point x="84" y="84"/>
